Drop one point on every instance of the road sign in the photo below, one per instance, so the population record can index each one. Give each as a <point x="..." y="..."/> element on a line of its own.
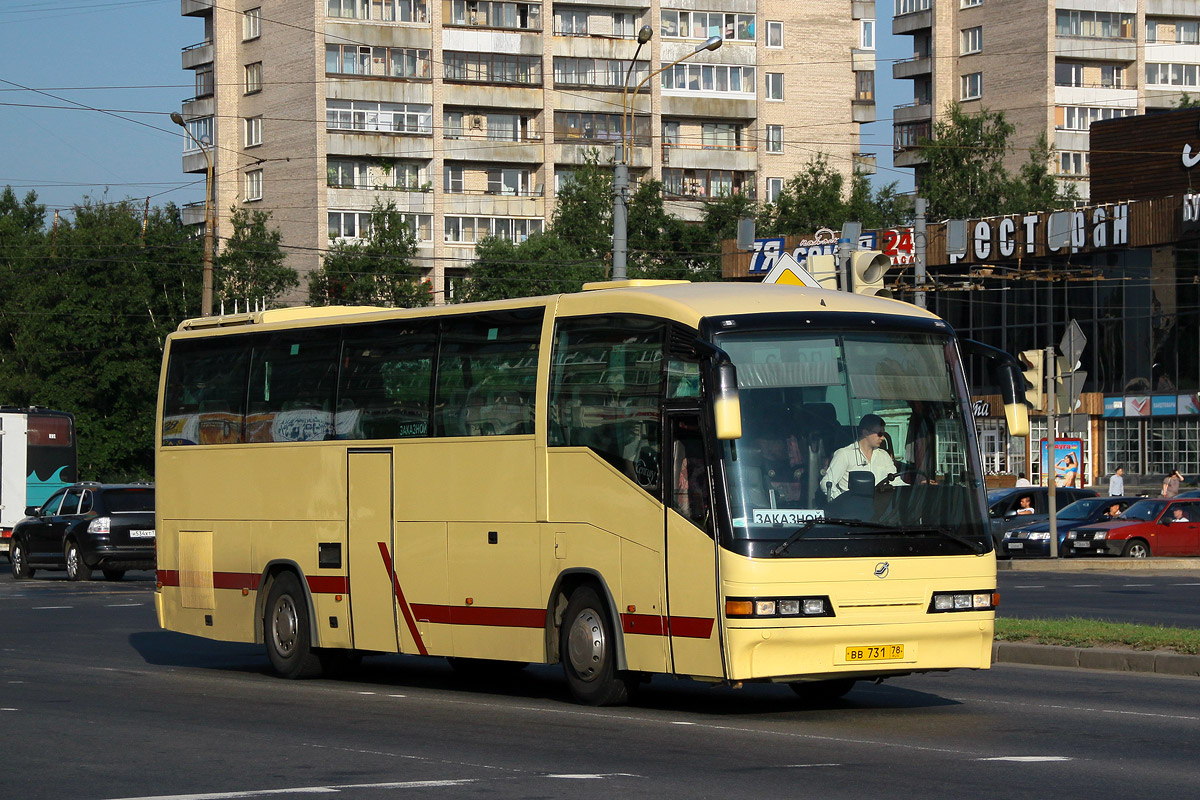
<point x="788" y="271"/>
<point x="1072" y="343"/>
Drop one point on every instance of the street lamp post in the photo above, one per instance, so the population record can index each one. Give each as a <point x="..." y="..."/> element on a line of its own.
<point x="206" y="297"/>
<point x="621" y="169"/>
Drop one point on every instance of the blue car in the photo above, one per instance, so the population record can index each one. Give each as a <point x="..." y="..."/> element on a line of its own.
<point x="1033" y="540"/>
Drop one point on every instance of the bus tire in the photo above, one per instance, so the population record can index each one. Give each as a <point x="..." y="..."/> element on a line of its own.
<point x="287" y="630"/>
<point x="18" y="560"/>
<point x="587" y="649"/>
<point x="820" y="691"/>
<point x="76" y="569"/>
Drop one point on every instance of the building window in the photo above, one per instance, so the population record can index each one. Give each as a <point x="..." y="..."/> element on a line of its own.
<point x="384" y="62"/>
<point x="774" y="34"/>
<point x="774" y="189"/>
<point x="380" y="10"/>
<point x="590" y="126"/>
<point x="866" y="34"/>
<point x="774" y="85"/>
<point x="452" y="179"/>
<point x="1072" y="162"/>
<point x="492" y="14"/>
<point x="705" y="24"/>
<point x="1094" y="24"/>
<point x="910" y="134"/>
<point x="597" y="73"/>
<point x="204" y="80"/>
<point x="774" y="139"/>
<point x="971" y="87"/>
<point x="254" y="79"/>
<point x="718" y="78"/>
<point x="469" y="230"/>
<point x="344" y="173"/>
<point x="972" y="40"/>
<point x="1171" y="75"/>
<point x="492" y="68"/>
<point x="254" y="185"/>
<point x="359" y="115"/>
<point x="720" y="136"/>
<point x="253" y="131"/>
<point x="252" y="24"/>
<point x="707" y="183"/>
<point x="510" y="181"/>
<point x="571" y="22"/>
<point x="357" y="225"/>
<point x="201" y="130"/>
<point x="670" y="132"/>
<point x="912" y="6"/>
<point x="1067" y="73"/>
<point x="625" y="24"/>
<point x="971" y="3"/>
<point x="1080" y="118"/>
<point x="864" y="85"/>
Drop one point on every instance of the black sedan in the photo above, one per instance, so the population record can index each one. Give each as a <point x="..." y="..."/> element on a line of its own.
<point x="84" y="527"/>
<point x="1033" y="540"/>
<point x="1022" y="505"/>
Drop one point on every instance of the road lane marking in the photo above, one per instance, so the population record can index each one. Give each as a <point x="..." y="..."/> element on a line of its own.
<point x="1128" y="585"/>
<point x="331" y="789"/>
<point x="49" y="608"/>
<point x="1084" y="709"/>
<point x="806" y="766"/>
<point x="124" y="605"/>
<point x="1031" y="586"/>
<point x="1083" y="585"/>
<point x="1026" y="759"/>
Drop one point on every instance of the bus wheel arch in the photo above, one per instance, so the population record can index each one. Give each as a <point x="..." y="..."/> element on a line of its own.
<point x="286" y="622"/>
<point x="560" y="596"/>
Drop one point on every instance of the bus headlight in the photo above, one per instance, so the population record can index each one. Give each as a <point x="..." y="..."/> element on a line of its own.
<point x="963" y="601"/>
<point x="774" y="607"/>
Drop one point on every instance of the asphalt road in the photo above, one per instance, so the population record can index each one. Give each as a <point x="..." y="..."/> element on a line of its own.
<point x="98" y="703"/>
<point x="1146" y="598"/>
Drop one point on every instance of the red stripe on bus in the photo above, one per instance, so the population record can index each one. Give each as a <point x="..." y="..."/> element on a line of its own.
<point x="326" y="584"/>
<point x="168" y="577"/>
<point x="408" y="617"/>
<point x="691" y="627"/>
<point x="645" y="624"/>
<point x="489" y="616"/>
<point x="317" y="584"/>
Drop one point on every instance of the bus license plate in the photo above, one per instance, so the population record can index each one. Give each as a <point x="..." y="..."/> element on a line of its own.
<point x="875" y="652"/>
<point x="141" y="534"/>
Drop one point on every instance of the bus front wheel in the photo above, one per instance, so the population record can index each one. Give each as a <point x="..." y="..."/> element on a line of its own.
<point x="286" y="630"/>
<point x="587" y="650"/>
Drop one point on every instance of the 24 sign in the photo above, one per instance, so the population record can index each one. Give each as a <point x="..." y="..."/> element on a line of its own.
<point x="898" y="245"/>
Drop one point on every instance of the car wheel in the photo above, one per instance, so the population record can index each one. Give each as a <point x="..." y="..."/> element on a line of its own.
<point x="18" y="560"/>
<point x="76" y="569"/>
<point x="821" y="691"/>
<point x="587" y="649"/>
<point x="114" y="574"/>
<point x="286" y="630"/>
<point x="1136" y="548"/>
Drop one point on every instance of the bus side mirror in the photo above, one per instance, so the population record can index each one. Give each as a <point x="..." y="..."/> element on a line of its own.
<point x="1012" y="393"/>
<point x="727" y="409"/>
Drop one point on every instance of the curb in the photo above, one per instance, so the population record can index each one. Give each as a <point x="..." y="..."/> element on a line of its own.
<point x="1098" y="564"/>
<point x="1044" y="655"/>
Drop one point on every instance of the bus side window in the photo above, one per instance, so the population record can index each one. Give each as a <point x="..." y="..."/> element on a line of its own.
<point x="205" y="394"/>
<point x="293" y="377"/>
<point x="385" y="380"/>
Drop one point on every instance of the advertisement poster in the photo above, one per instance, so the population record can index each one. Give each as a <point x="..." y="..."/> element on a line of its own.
<point x="1068" y="461"/>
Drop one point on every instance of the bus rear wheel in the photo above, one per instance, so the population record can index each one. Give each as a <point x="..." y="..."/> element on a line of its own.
<point x="587" y="650"/>
<point x="287" y="631"/>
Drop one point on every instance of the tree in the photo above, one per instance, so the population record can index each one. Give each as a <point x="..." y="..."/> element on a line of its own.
<point x="251" y="265"/>
<point x="92" y="323"/>
<point x="377" y="271"/>
<point x="817" y="197"/>
<point x="545" y="263"/>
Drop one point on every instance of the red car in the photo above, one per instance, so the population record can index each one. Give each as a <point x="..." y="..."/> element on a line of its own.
<point x="1147" y="528"/>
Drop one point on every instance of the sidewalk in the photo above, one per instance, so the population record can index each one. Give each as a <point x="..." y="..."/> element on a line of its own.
<point x="1044" y="655"/>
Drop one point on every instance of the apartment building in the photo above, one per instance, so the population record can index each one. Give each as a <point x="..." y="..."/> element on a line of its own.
<point x="470" y="114"/>
<point x="1053" y="67"/>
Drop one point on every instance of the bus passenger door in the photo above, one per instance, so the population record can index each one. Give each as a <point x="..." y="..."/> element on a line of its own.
<point x="692" y="587"/>
<point x="370" y="544"/>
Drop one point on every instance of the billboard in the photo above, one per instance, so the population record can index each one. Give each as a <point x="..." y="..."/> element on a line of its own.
<point x="1068" y="462"/>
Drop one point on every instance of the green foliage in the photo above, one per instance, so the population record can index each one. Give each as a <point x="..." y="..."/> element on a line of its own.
<point x="1080" y="632"/>
<point x="375" y="272"/>
<point x="817" y="197"/>
<point x="964" y="176"/>
<point x="1188" y="101"/>
<point x="86" y="311"/>
<point x="250" y="267"/>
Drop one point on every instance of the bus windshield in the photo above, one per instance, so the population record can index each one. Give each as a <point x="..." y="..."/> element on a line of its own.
<point x="853" y="444"/>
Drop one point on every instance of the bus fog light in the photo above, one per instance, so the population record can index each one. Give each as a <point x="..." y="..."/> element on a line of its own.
<point x="789" y="607"/>
<point x="764" y="608"/>
<point x="814" y="606"/>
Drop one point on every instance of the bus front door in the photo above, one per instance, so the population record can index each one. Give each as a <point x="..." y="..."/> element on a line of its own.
<point x="692" y="587"/>
<point x="371" y="542"/>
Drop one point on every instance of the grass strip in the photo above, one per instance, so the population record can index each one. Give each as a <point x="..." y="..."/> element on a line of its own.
<point x="1079" y="632"/>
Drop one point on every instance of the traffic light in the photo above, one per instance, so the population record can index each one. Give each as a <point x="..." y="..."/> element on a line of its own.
<point x="867" y="269"/>
<point x="1035" y="376"/>
<point x="824" y="269"/>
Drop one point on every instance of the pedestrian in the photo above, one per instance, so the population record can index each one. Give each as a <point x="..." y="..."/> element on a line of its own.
<point x="1116" y="484"/>
<point x="1170" y="484"/>
<point x="1022" y="480"/>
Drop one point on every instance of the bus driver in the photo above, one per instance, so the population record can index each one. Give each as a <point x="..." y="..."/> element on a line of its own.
<point x="866" y="453"/>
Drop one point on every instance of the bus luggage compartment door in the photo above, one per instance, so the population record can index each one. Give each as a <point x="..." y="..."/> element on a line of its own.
<point x="370" y="523"/>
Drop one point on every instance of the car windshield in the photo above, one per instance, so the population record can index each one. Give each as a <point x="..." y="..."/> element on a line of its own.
<point x="1144" y="510"/>
<point x="854" y="428"/>
<point x="1083" y="509"/>
<point x="133" y="499"/>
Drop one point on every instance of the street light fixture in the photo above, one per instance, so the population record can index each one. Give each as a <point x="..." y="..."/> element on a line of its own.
<point x="206" y="297"/>
<point x="621" y="169"/>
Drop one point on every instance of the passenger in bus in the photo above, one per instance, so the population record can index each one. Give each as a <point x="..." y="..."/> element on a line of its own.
<point x="865" y="454"/>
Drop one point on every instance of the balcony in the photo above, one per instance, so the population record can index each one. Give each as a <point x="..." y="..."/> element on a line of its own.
<point x="495" y="205"/>
<point x="576" y="151"/>
<point x="866" y="163"/>
<point x="1095" y="48"/>
<point x="195" y="55"/>
<point x="911" y="68"/>
<point x="1171" y="8"/>
<point x="193" y="213"/>
<point x="908" y="24"/>
<point x="198" y="107"/>
<point x="195" y="8"/>
<point x="741" y="158"/>
<point x="862" y="110"/>
<point x="912" y="112"/>
<point x="478" y="147"/>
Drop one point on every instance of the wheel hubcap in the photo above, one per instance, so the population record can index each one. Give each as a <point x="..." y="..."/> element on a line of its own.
<point x="586" y="647"/>
<point x="72" y="562"/>
<point x="284" y="625"/>
<point x="18" y="557"/>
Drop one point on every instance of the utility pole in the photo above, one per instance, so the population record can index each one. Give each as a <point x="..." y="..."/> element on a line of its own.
<point x="1049" y="469"/>
<point x="919" y="204"/>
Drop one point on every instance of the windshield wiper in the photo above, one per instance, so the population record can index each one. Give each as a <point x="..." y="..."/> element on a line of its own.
<point x="974" y="545"/>
<point x="807" y="526"/>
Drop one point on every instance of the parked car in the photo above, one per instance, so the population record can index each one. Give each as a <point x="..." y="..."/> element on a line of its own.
<point x="1006" y="511"/>
<point x="1033" y="540"/>
<point x="1155" y="527"/>
<point x="87" y="526"/>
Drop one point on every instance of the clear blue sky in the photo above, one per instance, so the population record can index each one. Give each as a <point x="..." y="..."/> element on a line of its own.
<point x="123" y="56"/>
